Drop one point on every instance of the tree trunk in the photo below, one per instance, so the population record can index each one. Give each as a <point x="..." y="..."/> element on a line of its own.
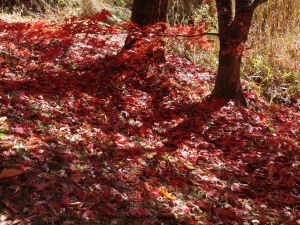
<point x="149" y="12"/>
<point x="233" y="33"/>
<point x="227" y="84"/>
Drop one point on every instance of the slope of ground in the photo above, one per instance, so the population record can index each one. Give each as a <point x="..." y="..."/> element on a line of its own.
<point x="96" y="137"/>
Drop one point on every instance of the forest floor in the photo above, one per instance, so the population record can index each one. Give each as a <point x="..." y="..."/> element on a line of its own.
<point x="89" y="136"/>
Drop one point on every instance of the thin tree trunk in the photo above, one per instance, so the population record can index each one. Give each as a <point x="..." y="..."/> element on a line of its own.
<point x="149" y="12"/>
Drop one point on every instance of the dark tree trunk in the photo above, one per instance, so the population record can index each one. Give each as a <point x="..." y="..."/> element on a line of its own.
<point x="227" y="84"/>
<point x="149" y="12"/>
<point x="233" y="33"/>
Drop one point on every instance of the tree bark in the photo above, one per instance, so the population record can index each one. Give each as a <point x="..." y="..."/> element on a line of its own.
<point x="227" y="84"/>
<point x="149" y="12"/>
<point x="233" y="33"/>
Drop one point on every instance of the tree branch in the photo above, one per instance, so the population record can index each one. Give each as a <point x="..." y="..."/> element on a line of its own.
<point x="188" y="36"/>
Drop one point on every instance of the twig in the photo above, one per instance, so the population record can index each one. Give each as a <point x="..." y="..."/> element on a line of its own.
<point x="189" y="36"/>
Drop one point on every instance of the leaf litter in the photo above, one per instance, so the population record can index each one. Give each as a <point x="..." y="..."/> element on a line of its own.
<point x="89" y="136"/>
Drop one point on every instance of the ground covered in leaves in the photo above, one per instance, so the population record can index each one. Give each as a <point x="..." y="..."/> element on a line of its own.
<point x="91" y="135"/>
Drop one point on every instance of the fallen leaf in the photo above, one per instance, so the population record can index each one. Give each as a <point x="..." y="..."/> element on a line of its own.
<point x="12" y="171"/>
<point x="139" y="212"/>
<point x="165" y="193"/>
<point x="75" y="205"/>
<point x="166" y="213"/>
<point x="6" y="146"/>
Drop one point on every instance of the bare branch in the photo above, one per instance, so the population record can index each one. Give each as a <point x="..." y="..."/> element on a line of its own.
<point x="188" y="36"/>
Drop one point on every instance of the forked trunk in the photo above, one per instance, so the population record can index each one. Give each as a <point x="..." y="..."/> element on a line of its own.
<point x="234" y="25"/>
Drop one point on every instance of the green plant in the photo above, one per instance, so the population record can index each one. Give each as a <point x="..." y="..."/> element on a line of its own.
<point x="275" y="65"/>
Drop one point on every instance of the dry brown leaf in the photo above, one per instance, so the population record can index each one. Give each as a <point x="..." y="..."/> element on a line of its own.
<point x="75" y="205"/>
<point x="12" y="171"/>
<point x="6" y="146"/>
<point x="165" y="213"/>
